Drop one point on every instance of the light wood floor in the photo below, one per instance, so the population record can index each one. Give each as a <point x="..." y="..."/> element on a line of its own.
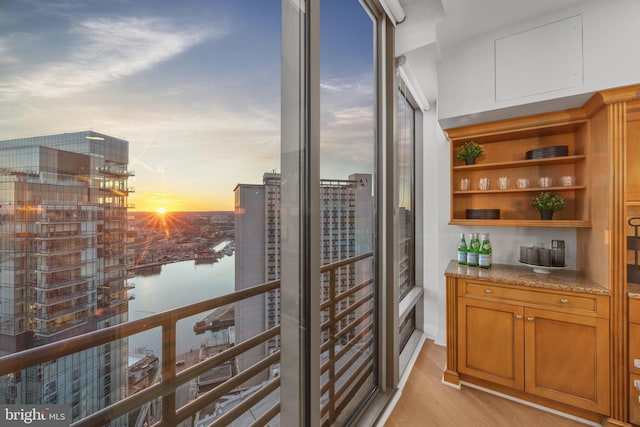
<point x="425" y="401"/>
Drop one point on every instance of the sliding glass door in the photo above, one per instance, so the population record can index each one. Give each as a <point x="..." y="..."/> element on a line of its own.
<point x="329" y="210"/>
<point x="348" y="147"/>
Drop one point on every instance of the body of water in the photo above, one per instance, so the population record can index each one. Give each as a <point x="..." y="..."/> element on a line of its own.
<point x="176" y="285"/>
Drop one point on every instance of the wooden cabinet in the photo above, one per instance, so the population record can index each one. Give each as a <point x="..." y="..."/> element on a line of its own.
<point x="505" y="145"/>
<point x="549" y="344"/>
<point x="632" y="199"/>
<point x="491" y="341"/>
<point x="603" y="140"/>
<point x="634" y="361"/>
<point x="634" y="398"/>
<point x="567" y="358"/>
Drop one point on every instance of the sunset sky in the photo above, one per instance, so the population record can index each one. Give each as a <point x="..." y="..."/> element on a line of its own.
<point x="194" y="86"/>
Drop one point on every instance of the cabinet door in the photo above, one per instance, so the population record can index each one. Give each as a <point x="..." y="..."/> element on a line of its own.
<point x="490" y="341"/>
<point x="634" y="399"/>
<point x="634" y="348"/>
<point x="567" y="358"/>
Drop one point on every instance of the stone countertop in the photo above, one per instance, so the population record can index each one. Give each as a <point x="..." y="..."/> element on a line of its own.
<point x="634" y="291"/>
<point x="559" y="280"/>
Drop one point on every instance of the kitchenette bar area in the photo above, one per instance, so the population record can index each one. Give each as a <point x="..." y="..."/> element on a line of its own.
<point x="565" y="337"/>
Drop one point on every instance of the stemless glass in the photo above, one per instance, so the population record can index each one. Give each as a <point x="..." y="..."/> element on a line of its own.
<point x="503" y="182"/>
<point x="484" y="184"/>
<point x="545" y="181"/>
<point x="465" y="184"/>
<point x="568" y="181"/>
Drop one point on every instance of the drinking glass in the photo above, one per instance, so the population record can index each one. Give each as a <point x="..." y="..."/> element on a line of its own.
<point x="545" y="181"/>
<point x="484" y="183"/>
<point x="568" y="181"/>
<point x="503" y="182"/>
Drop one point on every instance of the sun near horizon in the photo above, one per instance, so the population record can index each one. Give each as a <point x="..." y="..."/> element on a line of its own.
<point x="168" y="203"/>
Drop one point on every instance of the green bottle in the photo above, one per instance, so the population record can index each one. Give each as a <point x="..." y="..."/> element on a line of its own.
<point x="462" y="250"/>
<point x="484" y="254"/>
<point x="473" y="251"/>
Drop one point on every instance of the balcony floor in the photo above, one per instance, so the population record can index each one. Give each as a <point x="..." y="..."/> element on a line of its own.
<point x="425" y="401"/>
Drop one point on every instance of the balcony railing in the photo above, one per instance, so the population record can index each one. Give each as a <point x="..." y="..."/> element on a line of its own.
<point x="46" y="301"/>
<point x="54" y="328"/>
<point x="51" y="283"/>
<point x="116" y="171"/>
<point x="346" y="364"/>
<point x="59" y="313"/>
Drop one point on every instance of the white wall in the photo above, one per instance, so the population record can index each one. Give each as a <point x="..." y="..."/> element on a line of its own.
<point x="467" y="77"/>
<point x="432" y="201"/>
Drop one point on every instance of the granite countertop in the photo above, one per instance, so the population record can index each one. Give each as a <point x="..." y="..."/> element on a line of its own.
<point x="634" y="291"/>
<point x="559" y="280"/>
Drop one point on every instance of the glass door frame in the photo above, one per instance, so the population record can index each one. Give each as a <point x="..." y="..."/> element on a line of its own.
<point x="300" y="214"/>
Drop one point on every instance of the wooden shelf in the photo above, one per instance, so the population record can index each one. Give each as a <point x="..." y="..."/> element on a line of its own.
<point x="521" y="163"/>
<point x="523" y="190"/>
<point x="505" y="144"/>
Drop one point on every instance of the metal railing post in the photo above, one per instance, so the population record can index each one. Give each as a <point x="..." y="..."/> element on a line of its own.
<point x="333" y="330"/>
<point x="169" y="369"/>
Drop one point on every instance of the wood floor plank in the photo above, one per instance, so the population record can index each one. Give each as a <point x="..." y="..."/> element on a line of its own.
<point x="425" y="401"/>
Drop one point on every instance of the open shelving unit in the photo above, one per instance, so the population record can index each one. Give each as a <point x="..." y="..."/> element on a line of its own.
<point x="505" y="144"/>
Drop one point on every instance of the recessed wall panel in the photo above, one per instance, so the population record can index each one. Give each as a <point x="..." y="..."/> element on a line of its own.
<point x="539" y="60"/>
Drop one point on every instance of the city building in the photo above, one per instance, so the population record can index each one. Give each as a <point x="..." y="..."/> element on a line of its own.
<point x="63" y="262"/>
<point x="346" y="231"/>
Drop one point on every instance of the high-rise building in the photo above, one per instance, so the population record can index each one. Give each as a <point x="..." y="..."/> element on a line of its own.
<point x="63" y="265"/>
<point x="347" y="230"/>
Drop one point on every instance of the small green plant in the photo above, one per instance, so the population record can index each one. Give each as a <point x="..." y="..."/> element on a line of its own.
<point x="470" y="150"/>
<point x="547" y="202"/>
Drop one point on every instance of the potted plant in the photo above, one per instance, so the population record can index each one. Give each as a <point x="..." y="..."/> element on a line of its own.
<point x="469" y="152"/>
<point x="547" y="204"/>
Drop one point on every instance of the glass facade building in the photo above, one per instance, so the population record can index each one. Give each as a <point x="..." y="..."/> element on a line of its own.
<point x="63" y="265"/>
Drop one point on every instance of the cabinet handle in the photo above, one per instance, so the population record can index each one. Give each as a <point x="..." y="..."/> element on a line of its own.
<point x="564" y="301"/>
<point x="529" y="319"/>
<point x="518" y="316"/>
<point x="487" y="291"/>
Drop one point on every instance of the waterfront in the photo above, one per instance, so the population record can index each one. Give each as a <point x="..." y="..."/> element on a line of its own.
<point x="176" y="285"/>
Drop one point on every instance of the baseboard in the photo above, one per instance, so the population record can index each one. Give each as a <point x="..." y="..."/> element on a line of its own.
<point x="448" y="384"/>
